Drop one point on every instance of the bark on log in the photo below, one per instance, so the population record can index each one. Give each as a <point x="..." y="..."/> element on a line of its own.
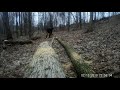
<point x="44" y="64"/>
<point x="18" y="42"/>
<point x="79" y="64"/>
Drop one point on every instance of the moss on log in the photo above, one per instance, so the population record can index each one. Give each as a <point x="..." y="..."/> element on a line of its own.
<point x="44" y="64"/>
<point x="79" y="64"/>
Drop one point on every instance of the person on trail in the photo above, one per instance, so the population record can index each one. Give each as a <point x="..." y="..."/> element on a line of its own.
<point x="49" y="32"/>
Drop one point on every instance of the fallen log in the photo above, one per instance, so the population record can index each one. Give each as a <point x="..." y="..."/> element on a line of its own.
<point x="17" y="42"/>
<point x="79" y="64"/>
<point x="44" y="64"/>
<point x="35" y="38"/>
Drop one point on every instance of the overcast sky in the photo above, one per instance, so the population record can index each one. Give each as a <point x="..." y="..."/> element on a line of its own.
<point x="72" y="20"/>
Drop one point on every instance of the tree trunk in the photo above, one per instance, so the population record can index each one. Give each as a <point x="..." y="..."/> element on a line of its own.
<point x="16" y="25"/>
<point x="90" y="27"/>
<point x="68" y="22"/>
<point x="78" y="62"/>
<point x="21" y="26"/>
<point x="80" y="23"/>
<point x="6" y="25"/>
<point x="94" y="16"/>
<point x="30" y="24"/>
<point x="44" y="64"/>
<point x="25" y="22"/>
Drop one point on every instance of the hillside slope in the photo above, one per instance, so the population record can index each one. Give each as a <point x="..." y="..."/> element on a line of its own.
<point x="102" y="46"/>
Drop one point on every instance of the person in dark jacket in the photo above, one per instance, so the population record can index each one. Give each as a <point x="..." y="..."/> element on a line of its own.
<point x="49" y="32"/>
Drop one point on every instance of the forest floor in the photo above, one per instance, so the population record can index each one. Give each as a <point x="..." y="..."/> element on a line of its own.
<point x="102" y="47"/>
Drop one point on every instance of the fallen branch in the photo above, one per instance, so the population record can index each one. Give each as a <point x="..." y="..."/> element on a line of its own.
<point x="35" y="38"/>
<point x="18" y="42"/>
<point x="44" y="64"/>
<point x="79" y="64"/>
<point x="52" y="40"/>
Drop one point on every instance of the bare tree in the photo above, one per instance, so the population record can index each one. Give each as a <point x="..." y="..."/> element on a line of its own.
<point x="77" y="17"/>
<point x="51" y="19"/>
<point x="38" y="21"/>
<point x="68" y="22"/>
<point x="6" y="25"/>
<point x="56" y="20"/>
<point x="80" y="22"/>
<point x="21" y="24"/>
<point x="102" y="14"/>
<point x="90" y="27"/>
<point x="91" y="21"/>
<point x="16" y="24"/>
<point x="94" y="16"/>
<point x="25" y="22"/>
<point x="30" y="24"/>
<point x="1" y="25"/>
<point x="11" y="20"/>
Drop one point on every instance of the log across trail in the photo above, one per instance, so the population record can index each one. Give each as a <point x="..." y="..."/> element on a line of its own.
<point x="35" y="38"/>
<point x="21" y="42"/>
<point x="44" y="64"/>
<point x="18" y="42"/>
<point x="78" y="62"/>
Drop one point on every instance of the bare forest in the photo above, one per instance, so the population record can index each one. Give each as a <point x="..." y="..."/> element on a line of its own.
<point x="59" y="44"/>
